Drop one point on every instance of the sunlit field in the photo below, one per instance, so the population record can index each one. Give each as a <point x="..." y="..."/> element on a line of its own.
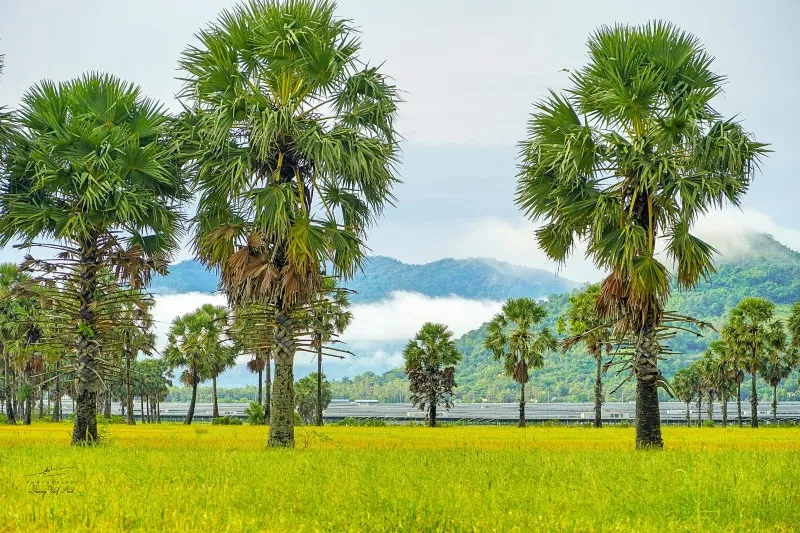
<point x="202" y="477"/>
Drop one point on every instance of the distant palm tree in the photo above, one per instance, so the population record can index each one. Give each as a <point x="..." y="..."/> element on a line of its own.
<point x="92" y="167"/>
<point x="194" y="341"/>
<point x="754" y="333"/>
<point x="685" y="384"/>
<point x="431" y="357"/>
<point x="221" y="359"/>
<point x="584" y="324"/>
<point x="256" y="366"/>
<point x="293" y="139"/>
<point x="511" y="338"/>
<point x="630" y="155"/>
<point x="330" y="316"/>
<point x="780" y="362"/>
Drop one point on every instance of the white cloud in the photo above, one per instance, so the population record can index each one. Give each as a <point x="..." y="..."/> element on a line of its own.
<point x="726" y="230"/>
<point x="400" y="316"/>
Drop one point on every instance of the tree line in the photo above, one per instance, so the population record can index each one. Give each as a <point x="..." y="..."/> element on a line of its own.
<point x="287" y="139"/>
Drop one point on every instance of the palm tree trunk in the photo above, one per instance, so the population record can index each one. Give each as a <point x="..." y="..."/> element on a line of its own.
<point x="431" y="413"/>
<point x="260" y="385"/>
<point x="699" y="409"/>
<point x="739" y="399"/>
<point x="688" y="417"/>
<point x="57" y="403"/>
<point x="281" y="422"/>
<point x="128" y="388"/>
<point x="149" y="415"/>
<point x="10" y="419"/>
<point x="215" y="413"/>
<point x="711" y="406"/>
<point x="28" y="408"/>
<point x="84" y="430"/>
<point x="598" y="393"/>
<point x="190" y="413"/>
<point x="41" y="405"/>
<point x="522" y="405"/>
<point x="107" y="406"/>
<point x="141" y="407"/>
<point x="158" y="410"/>
<point x="774" y="404"/>
<point x="648" y="417"/>
<point x="753" y="402"/>
<point x="318" y="412"/>
<point x="724" y="409"/>
<point x="267" y="387"/>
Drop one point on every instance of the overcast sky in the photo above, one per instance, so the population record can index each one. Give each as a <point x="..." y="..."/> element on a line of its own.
<point x="470" y="72"/>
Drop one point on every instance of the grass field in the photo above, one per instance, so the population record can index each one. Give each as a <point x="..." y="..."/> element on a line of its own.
<point x="220" y="478"/>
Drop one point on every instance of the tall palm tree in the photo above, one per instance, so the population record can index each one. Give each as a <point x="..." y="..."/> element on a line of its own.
<point x="753" y="332"/>
<point x="293" y="142"/>
<point x="256" y="366"/>
<point x="431" y="357"/>
<point x="626" y="160"/>
<point x="722" y="376"/>
<point x="194" y="341"/>
<point x="584" y="324"/>
<point x="11" y="311"/>
<point x="330" y="316"/>
<point x="93" y="169"/>
<point x="220" y="360"/>
<point x="511" y="338"/>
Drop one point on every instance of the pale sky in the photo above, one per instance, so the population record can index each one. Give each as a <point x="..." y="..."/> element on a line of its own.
<point x="470" y="72"/>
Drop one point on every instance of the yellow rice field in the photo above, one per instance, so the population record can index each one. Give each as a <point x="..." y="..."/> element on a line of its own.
<point x="171" y="477"/>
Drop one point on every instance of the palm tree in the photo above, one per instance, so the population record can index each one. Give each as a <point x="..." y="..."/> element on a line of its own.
<point x="256" y="366"/>
<point x="11" y="310"/>
<point x="221" y="359"/>
<point x="685" y="385"/>
<point x="93" y="169"/>
<point x="510" y="338"/>
<point x="720" y="374"/>
<point x="752" y="331"/>
<point x="293" y="142"/>
<point x="780" y="362"/>
<point x="194" y="342"/>
<point x="431" y="357"/>
<point x="584" y="325"/>
<point x="626" y="160"/>
<point x="330" y="316"/>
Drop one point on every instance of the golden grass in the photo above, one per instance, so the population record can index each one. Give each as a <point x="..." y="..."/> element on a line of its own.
<point x="221" y="478"/>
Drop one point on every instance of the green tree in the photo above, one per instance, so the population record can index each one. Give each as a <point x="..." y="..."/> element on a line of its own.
<point x="780" y="362"/>
<point x="431" y="357"/>
<point x="293" y="141"/>
<point x="720" y="374"/>
<point x="629" y="156"/>
<point x="754" y="333"/>
<point x="584" y="324"/>
<point x="194" y="342"/>
<point x="685" y="385"/>
<point x="305" y="396"/>
<point x="511" y="338"/>
<point x="93" y="168"/>
<point x="220" y="360"/>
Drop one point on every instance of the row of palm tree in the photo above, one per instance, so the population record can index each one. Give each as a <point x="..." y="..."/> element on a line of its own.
<point x="753" y="341"/>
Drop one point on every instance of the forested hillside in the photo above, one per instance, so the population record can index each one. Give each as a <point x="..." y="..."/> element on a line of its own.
<point x="468" y="278"/>
<point x="763" y="267"/>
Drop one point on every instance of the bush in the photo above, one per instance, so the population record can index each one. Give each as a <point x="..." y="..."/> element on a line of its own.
<point x="3" y="419"/>
<point x="298" y="420"/>
<point x="708" y="424"/>
<point x="361" y="422"/>
<point x="255" y="414"/>
<point x="226" y="421"/>
<point x="115" y="419"/>
<point x="624" y="424"/>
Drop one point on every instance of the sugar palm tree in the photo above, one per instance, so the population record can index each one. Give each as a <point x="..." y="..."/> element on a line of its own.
<point x="583" y="323"/>
<point x="721" y="374"/>
<point x="430" y="358"/>
<point x="193" y="342"/>
<point x="754" y="333"/>
<point x="293" y="142"/>
<point x="330" y="316"/>
<point x="93" y="169"/>
<point x="684" y="386"/>
<point x="220" y="360"/>
<point x="626" y="160"/>
<point x="511" y="338"/>
<point x="11" y="312"/>
<point x="780" y="362"/>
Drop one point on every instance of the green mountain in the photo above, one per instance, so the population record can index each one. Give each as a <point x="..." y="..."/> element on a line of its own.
<point x="468" y="278"/>
<point x="760" y="266"/>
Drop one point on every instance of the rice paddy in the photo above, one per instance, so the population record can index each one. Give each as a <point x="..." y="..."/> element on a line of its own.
<point x="172" y="477"/>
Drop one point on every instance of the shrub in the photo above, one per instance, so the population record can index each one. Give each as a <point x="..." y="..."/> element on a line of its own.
<point x="3" y="419"/>
<point x="226" y="421"/>
<point x="255" y="414"/>
<point x="298" y="420"/>
<point x="708" y="424"/>
<point x="624" y="424"/>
